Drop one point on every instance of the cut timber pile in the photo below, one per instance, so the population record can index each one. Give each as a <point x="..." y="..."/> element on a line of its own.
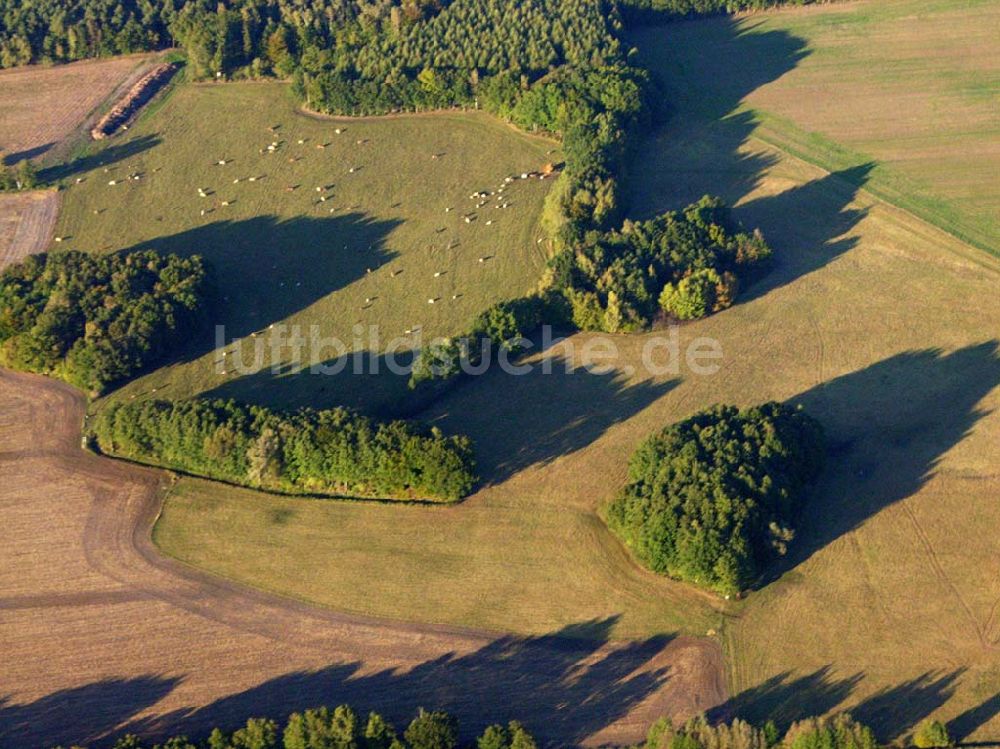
<point x="138" y="95"/>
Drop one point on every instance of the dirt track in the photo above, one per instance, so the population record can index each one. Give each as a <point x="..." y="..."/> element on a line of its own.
<point x="102" y="634"/>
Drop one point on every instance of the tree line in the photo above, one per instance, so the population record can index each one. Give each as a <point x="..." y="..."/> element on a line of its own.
<point x="342" y="728"/>
<point x="333" y="452"/>
<point x="95" y="320"/>
<point x="711" y="499"/>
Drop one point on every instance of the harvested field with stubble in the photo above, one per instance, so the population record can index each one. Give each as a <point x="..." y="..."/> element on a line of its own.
<point x="26" y="223"/>
<point x="40" y="107"/>
<point x="102" y="634"/>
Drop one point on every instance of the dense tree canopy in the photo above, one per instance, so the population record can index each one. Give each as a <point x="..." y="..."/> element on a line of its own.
<point x="95" y="320"/>
<point x="334" y="452"/>
<point x="711" y="499"/>
<point x="616" y="280"/>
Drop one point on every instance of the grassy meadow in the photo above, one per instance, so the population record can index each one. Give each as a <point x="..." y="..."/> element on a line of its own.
<point x="867" y="322"/>
<point x="371" y="247"/>
<point x="908" y="89"/>
<point x="884" y="326"/>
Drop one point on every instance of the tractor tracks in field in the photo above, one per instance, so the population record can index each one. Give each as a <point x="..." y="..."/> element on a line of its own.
<point x="936" y="567"/>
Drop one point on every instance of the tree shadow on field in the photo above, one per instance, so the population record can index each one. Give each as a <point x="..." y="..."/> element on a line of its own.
<point x="814" y="222"/>
<point x="81" y="714"/>
<point x="785" y="698"/>
<point x="532" y="419"/>
<point x="14" y="157"/>
<point x="563" y="688"/>
<point x="965" y="724"/>
<point x="706" y="69"/>
<point x="109" y="157"/>
<point x="266" y="269"/>
<point x="891" y="711"/>
<point x="888" y="427"/>
<point x="362" y="380"/>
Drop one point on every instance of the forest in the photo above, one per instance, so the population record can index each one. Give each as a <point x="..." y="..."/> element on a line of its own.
<point x="330" y="452"/>
<point x="95" y="320"/>
<point x="711" y="499"/>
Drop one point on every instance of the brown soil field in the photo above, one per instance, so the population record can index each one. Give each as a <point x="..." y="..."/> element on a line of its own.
<point x="26" y="224"/>
<point x="102" y="634"/>
<point x="41" y="107"/>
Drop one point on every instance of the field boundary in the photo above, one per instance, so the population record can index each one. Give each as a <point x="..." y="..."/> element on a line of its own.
<point x="896" y="197"/>
<point x="681" y="675"/>
<point x="980" y="255"/>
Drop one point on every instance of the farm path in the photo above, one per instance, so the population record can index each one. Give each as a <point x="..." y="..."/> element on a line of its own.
<point x="103" y="634"/>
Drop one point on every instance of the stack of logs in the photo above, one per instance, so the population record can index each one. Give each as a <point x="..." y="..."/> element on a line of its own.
<point x="138" y="95"/>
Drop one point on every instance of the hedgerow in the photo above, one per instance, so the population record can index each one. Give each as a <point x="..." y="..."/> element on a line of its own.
<point x="328" y="452"/>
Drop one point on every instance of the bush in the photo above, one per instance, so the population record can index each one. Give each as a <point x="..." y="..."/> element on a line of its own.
<point x="96" y="320"/>
<point x="931" y="734"/>
<point x="698" y="733"/>
<point x="840" y="731"/>
<point x="711" y="498"/>
<point x="333" y="452"/>
<point x="693" y="296"/>
<point x="432" y="730"/>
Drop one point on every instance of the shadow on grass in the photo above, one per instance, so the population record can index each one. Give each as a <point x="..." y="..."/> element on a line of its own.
<point x="82" y="714"/>
<point x="786" y="698"/>
<point x="562" y="687"/>
<point x="965" y="724"/>
<point x="888" y="427"/>
<point x="706" y="69"/>
<point x="891" y="711"/>
<point x="532" y="419"/>
<point x="361" y="380"/>
<point x="108" y="157"/>
<point x="267" y="269"/>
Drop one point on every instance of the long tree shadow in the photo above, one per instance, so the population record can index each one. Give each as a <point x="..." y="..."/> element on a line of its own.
<point x="544" y="402"/>
<point x="701" y="146"/>
<point x="562" y="687"/>
<point x="697" y="147"/>
<point x="81" y="714"/>
<point x="892" y="711"/>
<point x="785" y="698"/>
<point x="108" y="157"/>
<point x="965" y="724"/>
<point x="34" y="152"/>
<point x="563" y="406"/>
<point x="266" y="269"/>
<point x="373" y="382"/>
<point x="813" y="221"/>
<point x="888" y="426"/>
